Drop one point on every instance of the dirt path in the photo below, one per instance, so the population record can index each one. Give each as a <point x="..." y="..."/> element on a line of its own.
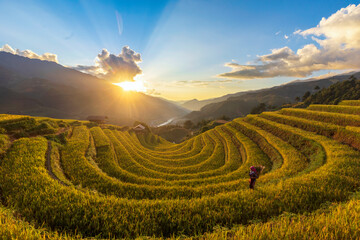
<point x="48" y="165"/>
<point x="62" y="130"/>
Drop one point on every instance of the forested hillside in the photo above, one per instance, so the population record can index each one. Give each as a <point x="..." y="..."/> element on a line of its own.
<point x="240" y="106"/>
<point x="346" y="90"/>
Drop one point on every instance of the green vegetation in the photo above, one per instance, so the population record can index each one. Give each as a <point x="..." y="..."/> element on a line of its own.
<point x="54" y="164"/>
<point x="337" y="221"/>
<point x="13" y="227"/>
<point x="173" y="133"/>
<point x="262" y="107"/>
<point x="70" y="180"/>
<point x="345" y="90"/>
<point x="4" y="143"/>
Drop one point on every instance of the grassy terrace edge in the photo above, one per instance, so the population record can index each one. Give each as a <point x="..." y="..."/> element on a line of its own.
<point x="301" y="149"/>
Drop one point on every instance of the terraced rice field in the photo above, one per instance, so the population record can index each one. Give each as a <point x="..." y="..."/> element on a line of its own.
<point x="105" y="182"/>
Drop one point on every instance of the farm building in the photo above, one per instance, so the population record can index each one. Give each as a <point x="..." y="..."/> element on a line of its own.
<point x="97" y="119"/>
<point x="139" y="128"/>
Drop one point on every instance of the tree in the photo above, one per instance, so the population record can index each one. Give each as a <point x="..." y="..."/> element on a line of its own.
<point x="224" y="117"/>
<point x="297" y="99"/>
<point x="317" y="87"/>
<point x="259" y="109"/>
<point x="344" y="90"/>
<point x="306" y="95"/>
<point x="188" y="124"/>
<point x="202" y="123"/>
<point x="204" y="129"/>
<point x="352" y="78"/>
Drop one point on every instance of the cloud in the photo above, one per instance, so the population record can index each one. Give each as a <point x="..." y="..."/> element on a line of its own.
<point x="194" y="83"/>
<point x="115" y="68"/>
<point x="338" y="40"/>
<point x="278" y="54"/>
<point x="30" y="54"/>
<point x="200" y="83"/>
<point x="286" y="36"/>
<point x="119" y="22"/>
<point x="340" y="29"/>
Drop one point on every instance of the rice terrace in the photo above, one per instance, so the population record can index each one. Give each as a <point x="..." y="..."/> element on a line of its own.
<point x="119" y="184"/>
<point x="170" y="143"/>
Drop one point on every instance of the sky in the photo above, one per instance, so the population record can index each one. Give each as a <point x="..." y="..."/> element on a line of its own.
<point x="188" y="49"/>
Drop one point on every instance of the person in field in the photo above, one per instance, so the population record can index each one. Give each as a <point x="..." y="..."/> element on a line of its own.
<point x="253" y="176"/>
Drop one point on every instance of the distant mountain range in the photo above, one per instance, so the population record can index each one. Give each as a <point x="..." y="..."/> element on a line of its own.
<point x="241" y="104"/>
<point x="196" y="105"/>
<point x="42" y="88"/>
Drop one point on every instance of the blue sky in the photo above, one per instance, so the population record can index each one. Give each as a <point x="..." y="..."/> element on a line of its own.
<point x="183" y="44"/>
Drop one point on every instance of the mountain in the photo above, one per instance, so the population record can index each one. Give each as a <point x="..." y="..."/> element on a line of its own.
<point x="238" y="106"/>
<point x="42" y="88"/>
<point x="196" y="105"/>
<point x="30" y="68"/>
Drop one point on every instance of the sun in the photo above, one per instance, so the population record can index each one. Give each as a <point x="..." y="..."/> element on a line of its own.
<point x="136" y="86"/>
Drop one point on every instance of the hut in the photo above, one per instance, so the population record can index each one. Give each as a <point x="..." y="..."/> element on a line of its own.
<point x="139" y="128"/>
<point x="98" y="119"/>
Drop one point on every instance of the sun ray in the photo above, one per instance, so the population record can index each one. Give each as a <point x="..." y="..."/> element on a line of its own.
<point x="136" y="86"/>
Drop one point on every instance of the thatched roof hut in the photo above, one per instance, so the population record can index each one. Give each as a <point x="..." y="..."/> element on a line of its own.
<point x="139" y="128"/>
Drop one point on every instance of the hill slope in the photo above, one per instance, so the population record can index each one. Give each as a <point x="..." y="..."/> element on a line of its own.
<point x="35" y="68"/>
<point x="44" y="88"/>
<point x="196" y="105"/>
<point x="346" y="90"/>
<point x="276" y="96"/>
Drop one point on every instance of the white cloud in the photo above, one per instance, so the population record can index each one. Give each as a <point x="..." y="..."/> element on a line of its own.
<point x="338" y="38"/>
<point x="201" y="83"/>
<point x="286" y="36"/>
<point x="278" y="54"/>
<point x="342" y="29"/>
<point x="116" y="68"/>
<point x="29" y="54"/>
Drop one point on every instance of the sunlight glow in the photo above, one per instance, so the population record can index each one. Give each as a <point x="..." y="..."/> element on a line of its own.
<point x="137" y="86"/>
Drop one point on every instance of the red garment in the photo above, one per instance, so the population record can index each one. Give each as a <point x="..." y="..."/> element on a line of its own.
<point x="252" y="168"/>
